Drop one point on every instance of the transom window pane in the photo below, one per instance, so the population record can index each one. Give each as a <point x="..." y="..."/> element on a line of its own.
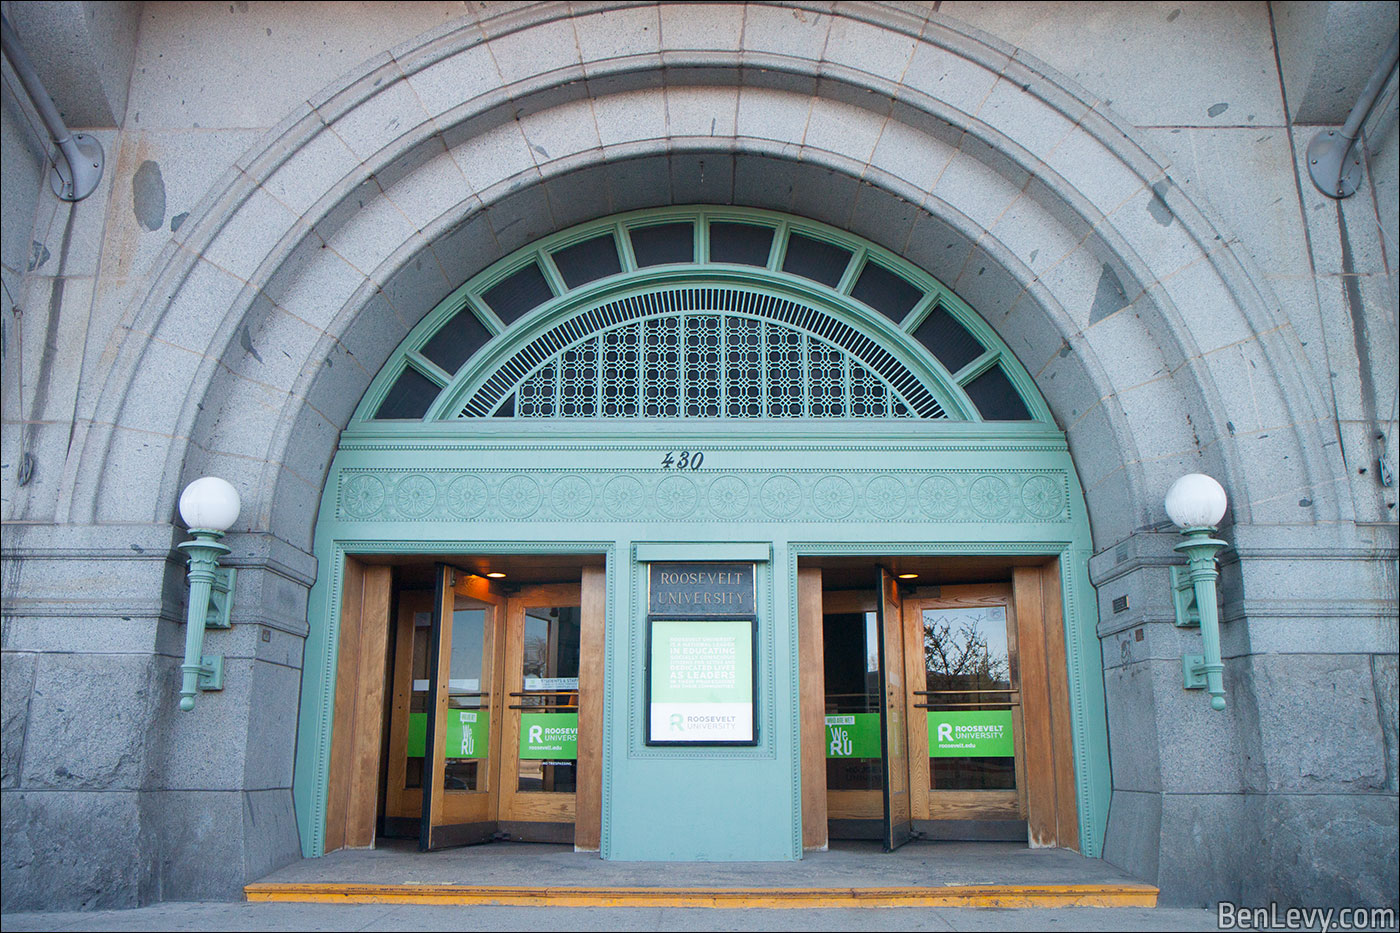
<point x="456" y="341"/>
<point x="518" y="293"/>
<point x="410" y="396"/>
<point x="741" y="243"/>
<point x="815" y="259"/>
<point x="996" y="398"/>
<point x="948" y="340"/>
<point x="886" y="292"/>
<point x="660" y="244"/>
<point x="592" y="259"/>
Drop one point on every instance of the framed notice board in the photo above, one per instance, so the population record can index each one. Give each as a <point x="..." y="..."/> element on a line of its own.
<point x="701" y="679"/>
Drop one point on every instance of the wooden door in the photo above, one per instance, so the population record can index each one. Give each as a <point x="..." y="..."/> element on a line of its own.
<point x="543" y="680"/>
<point x="816" y="746"/>
<point x="466" y="686"/>
<point x="361" y="698"/>
<point x="408" y="711"/>
<point x="1051" y="807"/>
<point x="898" y="816"/>
<point x="460" y="734"/>
<point x="966" y="726"/>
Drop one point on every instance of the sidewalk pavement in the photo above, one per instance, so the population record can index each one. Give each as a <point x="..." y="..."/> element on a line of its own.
<point x="206" y="916"/>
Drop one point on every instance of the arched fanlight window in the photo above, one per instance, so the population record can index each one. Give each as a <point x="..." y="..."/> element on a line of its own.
<point x="705" y="313"/>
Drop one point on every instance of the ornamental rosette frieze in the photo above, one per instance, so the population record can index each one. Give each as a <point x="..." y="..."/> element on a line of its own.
<point x="505" y="495"/>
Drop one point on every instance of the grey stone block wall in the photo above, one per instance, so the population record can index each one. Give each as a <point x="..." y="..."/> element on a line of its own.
<point x="1386" y="672"/>
<point x="1327" y="51"/>
<point x="76" y="849"/>
<point x="112" y="797"/>
<point x="83" y="52"/>
<point x="1322" y="849"/>
<point x="1288" y="795"/>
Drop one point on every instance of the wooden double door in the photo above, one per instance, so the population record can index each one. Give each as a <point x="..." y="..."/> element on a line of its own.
<point x="939" y="711"/>
<point x="494" y="727"/>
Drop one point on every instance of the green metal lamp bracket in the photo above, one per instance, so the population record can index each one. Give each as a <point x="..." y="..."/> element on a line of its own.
<point x="1194" y="598"/>
<point x="211" y="600"/>
<point x="1184" y="598"/>
<point x="221" y="598"/>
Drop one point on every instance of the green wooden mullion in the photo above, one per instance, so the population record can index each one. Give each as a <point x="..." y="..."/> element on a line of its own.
<point x="557" y="386"/>
<point x="551" y="273"/>
<point x="723" y="355"/>
<point x="920" y="311"/>
<point x="806" y="371"/>
<point x="598" y="380"/>
<point x="478" y="306"/>
<point x="427" y="368"/>
<point x="622" y="237"/>
<point x="680" y="360"/>
<point x="977" y="367"/>
<point x="702" y="239"/>
<point x="762" y="383"/>
<point x="778" y="248"/>
<point x="846" y="377"/>
<point x="853" y="269"/>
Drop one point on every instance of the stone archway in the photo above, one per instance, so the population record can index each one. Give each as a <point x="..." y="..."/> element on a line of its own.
<point x="969" y="159"/>
<point x="1147" y="331"/>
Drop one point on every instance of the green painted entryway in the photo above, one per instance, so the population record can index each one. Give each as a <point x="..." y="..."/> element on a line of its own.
<point x="697" y="385"/>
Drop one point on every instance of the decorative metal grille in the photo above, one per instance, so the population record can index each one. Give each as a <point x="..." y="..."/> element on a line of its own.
<point x="703" y="352"/>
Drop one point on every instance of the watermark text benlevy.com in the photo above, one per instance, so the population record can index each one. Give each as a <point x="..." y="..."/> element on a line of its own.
<point x="1230" y="916"/>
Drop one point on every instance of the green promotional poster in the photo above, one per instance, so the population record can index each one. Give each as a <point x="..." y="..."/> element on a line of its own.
<point x="970" y="734"/>
<point x="467" y="731"/>
<point x="701" y="681"/>
<point x="549" y="735"/>
<point x="854" y="735"/>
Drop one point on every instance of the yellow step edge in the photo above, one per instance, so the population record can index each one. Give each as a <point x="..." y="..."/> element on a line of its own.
<point x="979" y="895"/>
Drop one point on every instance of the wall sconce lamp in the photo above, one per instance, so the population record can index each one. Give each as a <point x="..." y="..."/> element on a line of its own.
<point x="209" y="507"/>
<point x="1196" y="503"/>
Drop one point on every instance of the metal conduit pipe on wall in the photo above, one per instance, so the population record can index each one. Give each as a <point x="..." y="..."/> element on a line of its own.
<point x="1334" y="168"/>
<point x="77" y="176"/>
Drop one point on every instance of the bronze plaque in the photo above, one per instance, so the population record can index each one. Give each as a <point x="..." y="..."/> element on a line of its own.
<point x="701" y="590"/>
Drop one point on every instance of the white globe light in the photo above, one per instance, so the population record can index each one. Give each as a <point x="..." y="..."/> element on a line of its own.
<point x="1196" y="501"/>
<point x="210" y="502"/>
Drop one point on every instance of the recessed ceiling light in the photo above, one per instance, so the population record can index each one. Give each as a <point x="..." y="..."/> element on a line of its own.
<point x="908" y="576"/>
<point x="496" y="575"/>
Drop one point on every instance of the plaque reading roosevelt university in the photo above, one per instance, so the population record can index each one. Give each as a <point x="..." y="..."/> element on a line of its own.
<point x="701" y="590"/>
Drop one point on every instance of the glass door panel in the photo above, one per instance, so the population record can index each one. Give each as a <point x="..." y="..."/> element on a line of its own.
<point x="851" y="669"/>
<point x="460" y="704"/>
<point x="967" y="695"/>
<point x="539" y="743"/>
<point x="468" y="712"/>
<point x="548" y="761"/>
